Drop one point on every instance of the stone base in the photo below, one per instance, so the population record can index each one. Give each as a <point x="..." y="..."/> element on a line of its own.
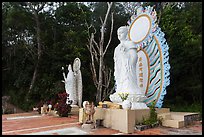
<point x="115" y="98"/>
<point x="173" y="123"/>
<point x="88" y="126"/>
<point x="138" y="105"/>
<point x="74" y="106"/>
<point x="74" y="110"/>
<point x="137" y="100"/>
<point x="178" y="119"/>
<point x="123" y="120"/>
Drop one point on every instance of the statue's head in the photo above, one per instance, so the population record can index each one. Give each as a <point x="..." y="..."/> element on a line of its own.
<point x="122" y="33"/>
<point x="85" y="103"/>
<point x="69" y="67"/>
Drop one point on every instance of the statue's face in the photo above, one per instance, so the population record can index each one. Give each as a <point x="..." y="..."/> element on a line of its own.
<point x="122" y="34"/>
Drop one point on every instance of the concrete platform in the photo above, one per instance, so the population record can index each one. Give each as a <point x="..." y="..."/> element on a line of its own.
<point x="123" y="120"/>
<point x="178" y="119"/>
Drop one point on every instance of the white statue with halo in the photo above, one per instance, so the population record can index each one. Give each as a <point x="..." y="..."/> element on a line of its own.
<point x="73" y="83"/>
<point x="125" y="62"/>
<point x="141" y="62"/>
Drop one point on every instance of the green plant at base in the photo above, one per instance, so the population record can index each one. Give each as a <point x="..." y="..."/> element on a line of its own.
<point x="153" y="116"/>
<point x="123" y="95"/>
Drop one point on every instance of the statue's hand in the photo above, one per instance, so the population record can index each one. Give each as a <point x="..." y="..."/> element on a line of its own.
<point x="63" y="81"/>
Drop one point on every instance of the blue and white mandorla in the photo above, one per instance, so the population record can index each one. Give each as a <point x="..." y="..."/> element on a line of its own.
<point x="155" y="46"/>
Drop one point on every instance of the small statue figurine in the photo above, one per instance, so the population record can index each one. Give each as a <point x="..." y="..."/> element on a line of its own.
<point x="89" y="111"/>
<point x="50" y="107"/>
<point x="44" y="109"/>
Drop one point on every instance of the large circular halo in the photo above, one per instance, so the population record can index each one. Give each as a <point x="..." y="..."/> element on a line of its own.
<point x="76" y="64"/>
<point x="140" y="28"/>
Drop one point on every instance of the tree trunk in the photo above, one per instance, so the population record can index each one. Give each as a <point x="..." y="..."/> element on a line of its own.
<point x="38" y="31"/>
<point x="33" y="79"/>
<point x="100" y="77"/>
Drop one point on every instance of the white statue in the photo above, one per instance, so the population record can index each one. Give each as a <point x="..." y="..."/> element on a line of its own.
<point x="78" y="80"/>
<point x="69" y="85"/>
<point x="73" y="83"/>
<point x="125" y="57"/>
<point x="125" y="62"/>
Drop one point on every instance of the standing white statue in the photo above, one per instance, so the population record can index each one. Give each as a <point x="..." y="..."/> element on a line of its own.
<point x="78" y="80"/>
<point x="125" y="62"/>
<point x="70" y="85"/>
<point x="125" y="57"/>
<point x="73" y="83"/>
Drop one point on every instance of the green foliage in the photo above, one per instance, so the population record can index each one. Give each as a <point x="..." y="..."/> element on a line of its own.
<point x="61" y="43"/>
<point x="8" y="111"/>
<point x="153" y="115"/>
<point x="185" y="107"/>
<point x="183" y="29"/>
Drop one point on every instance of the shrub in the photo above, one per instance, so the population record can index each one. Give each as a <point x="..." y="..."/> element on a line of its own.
<point x="61" y="106"/>
<point x="153" y="115"/>
<point x="9" y="111"/>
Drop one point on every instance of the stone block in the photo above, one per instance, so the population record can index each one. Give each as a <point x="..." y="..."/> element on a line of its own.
<point x="173" y="123"/>
<point x="142" y="127"/>
<point x="75" y="110"/>
<point x="177" y="117"/>
<point x="107" y="117"/>
<point x="162" y="110"/>
<point x="123" y="120"/>
<point x="99" y="113"/>
<point x="81" y="115"/>
<point x="88" y="127"/>
<point x="164" y="116"/>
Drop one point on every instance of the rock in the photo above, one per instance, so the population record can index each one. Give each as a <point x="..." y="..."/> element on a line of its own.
<point x="88" y="126"/>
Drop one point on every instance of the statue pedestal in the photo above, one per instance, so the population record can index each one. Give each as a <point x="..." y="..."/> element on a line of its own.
<point x="137" y="100"/>
<point x="138" y="105"/>
<point x="88" y="126"/>
<point x="123" y="120"/>
<point x="75" y="110"/>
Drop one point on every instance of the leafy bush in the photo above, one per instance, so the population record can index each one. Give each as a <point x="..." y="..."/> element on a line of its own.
<point x="8" y="111"/>
<point x="61" y="106"/>
<point x="185" y="107"/>
<point x="153" y="116"/>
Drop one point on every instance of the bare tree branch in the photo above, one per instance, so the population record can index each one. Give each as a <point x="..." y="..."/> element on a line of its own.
<point x="110" y="37"/>
<point x="93" y="70"/>
<point x="97" y="46"/>
<point x="93" y="48"/>
<point x="101" y="20"/>
<point x="101" y="76"/>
